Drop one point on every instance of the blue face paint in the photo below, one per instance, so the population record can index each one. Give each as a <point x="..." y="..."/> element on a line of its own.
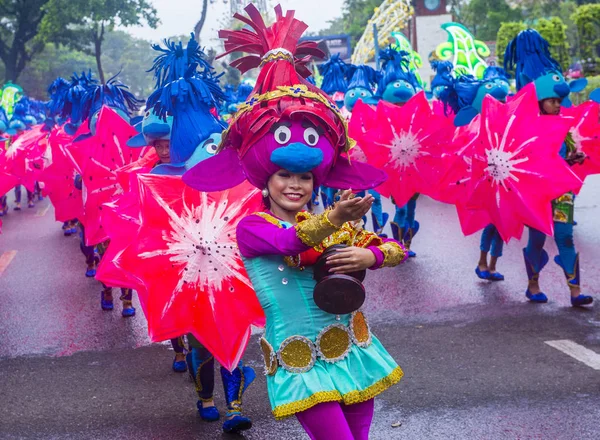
<point x="353" y="95"/>
<point x="297" y="157"/>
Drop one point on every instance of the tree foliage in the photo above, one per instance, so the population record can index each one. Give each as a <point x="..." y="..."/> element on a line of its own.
<point x="553" y="30"/>
<point x="355" y="16"/>
<point x="19" y="23"/>
<point x="484" y="17"/>
<point x="587" y="20"/>
<point x="83" y="24"/>
<point x="123" y="54"/>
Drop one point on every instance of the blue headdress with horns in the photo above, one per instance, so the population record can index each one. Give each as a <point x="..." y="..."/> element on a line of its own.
<point x="529" y="55"/>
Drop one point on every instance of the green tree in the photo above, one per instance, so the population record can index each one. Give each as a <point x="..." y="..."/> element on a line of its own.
<point x="553" y="30"/>
<point x="83" y="24"/>
<point x="507" y="32"/>
<point x="484" y="17"/>
<point x="587" y="21"/>
<point x="19" y="23"/>
<point x="355" y="16"/>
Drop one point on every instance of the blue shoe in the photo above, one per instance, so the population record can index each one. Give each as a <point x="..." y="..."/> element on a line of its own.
<point x="411" y="254"/>
<point x="482" y="274"/>
<point x="90" y="273"/>
<point x="179" y="366"/>
<point x="581" y="300"/>
<point x="106" y="304"/>
<point x="539" y="298"/>
<point x="237" y="423"/>
<point x="496" y="276"/>
<point x="128" y="312"/>
<point x="208" y="414"/>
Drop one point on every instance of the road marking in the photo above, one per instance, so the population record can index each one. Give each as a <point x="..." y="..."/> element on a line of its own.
<point x="42" y="212"/>
<point x="5" y="260"/>
<point x="579" y="352"/>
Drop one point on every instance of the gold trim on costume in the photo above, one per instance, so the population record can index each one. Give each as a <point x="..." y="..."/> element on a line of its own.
<point x="269" y="356"/>
<point x="357" y="396"/>
<point x="334" y="343"/>
<point x="393" y="254"/>
<point x="315" y="229"/>
<point x="297" y="354"/>
<point x="360" y="330"/>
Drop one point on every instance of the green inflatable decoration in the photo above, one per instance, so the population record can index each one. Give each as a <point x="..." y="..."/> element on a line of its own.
<point x="402" y="43"/>
<point x="11" y="93"/>
<point x="465" y="52"/>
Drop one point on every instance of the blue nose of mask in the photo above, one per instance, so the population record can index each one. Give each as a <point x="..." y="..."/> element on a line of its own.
<point x="562" y="89"/>
<point x="297" y="157"/>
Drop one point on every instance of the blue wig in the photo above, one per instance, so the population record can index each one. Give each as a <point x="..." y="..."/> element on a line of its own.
<point x="395" y="66"/>
<point x="243" y="91"/>
<point x="78" y="87"/>
<point x="190" y="100"/>
<point x="443" y="74"/>
<point x="362" y="76"/>
<point x="334" y="75"/>
<point x="113" y="94"/>
<point x="174" y="60"/>
<point x="495" y="72"/>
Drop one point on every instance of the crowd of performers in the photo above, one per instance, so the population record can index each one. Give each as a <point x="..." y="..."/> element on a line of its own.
<point x="206" y="219"/>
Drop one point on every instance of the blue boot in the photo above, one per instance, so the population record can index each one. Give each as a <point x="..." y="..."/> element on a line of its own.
<point x="534" y="275"/>
<point x="202" y="373"/>
<point x="126" y="297"/>
<point x="573" y="281"/>
<point x="234" y="384"/>
<point x="106" y="304"/>
<point x="408" y="237"/>
<point x="378" y="228"/>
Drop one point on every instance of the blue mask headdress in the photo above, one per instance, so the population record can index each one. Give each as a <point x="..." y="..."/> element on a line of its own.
<point x="529" y="55"/>
<point x="73" y="109"/>
<point x="334" y="76"/>
<point x="363" y="79"/>
<point x="18" y="121"/>
<point x="397" y="84"/>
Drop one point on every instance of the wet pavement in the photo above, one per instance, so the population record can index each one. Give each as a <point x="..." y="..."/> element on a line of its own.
<point x="474" y="353"/>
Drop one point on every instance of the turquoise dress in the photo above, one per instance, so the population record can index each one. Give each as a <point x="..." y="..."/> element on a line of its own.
<point x="312" y="356"/>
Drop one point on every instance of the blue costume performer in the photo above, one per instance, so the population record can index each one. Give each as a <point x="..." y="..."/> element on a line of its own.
<point x="528" y="53"/>
<point x="397" y="84"/>
<point x="179" y="123"/>
<point x="465" y="97"/>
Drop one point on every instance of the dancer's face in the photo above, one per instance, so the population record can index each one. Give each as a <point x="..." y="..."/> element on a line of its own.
<point x="550" y="106"/>
<point x="162" y="150"/>
<point x="290" y="191"/>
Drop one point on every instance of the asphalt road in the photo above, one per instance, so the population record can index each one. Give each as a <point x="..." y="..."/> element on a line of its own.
<point x="475" y="355"/>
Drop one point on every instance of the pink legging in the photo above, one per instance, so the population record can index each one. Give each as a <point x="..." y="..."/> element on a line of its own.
<point x="333" y="420"/>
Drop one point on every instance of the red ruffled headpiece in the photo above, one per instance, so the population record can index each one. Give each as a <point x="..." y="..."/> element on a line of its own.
<point x="281" y="92"/>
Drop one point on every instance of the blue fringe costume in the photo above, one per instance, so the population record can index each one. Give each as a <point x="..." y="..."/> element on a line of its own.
<point x="528" y="53"/>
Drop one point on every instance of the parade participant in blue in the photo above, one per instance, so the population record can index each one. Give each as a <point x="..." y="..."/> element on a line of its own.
<point x="397" y="84"/>
<point x="19" y="122"/>
<point x="465" y="98"/>
<point x="3" y="139"/>
<point x="193" y="137"/>
<point x="529" y="55"/>
<point x="116" y="96"/>
<point x="363" y="80"/>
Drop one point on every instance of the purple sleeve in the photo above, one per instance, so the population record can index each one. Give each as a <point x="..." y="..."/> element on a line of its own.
<point x="256" y="237"/>
<point x="379" y="257"/>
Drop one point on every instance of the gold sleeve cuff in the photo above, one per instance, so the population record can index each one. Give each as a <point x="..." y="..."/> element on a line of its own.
<point x="393" y="254"/>
<point x="315" y="229"/>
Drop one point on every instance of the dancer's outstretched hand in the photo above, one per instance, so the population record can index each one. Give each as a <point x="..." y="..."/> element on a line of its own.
<point x="350" y="208"/>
